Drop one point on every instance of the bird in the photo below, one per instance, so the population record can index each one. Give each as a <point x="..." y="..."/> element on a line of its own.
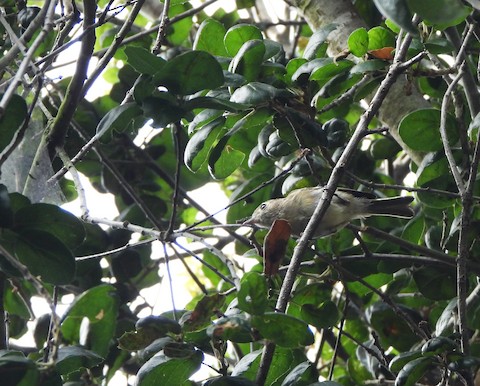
<point x="346" y="205"/>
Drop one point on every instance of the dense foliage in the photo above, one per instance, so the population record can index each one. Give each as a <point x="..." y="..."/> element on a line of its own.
<point x="378" y="96"/>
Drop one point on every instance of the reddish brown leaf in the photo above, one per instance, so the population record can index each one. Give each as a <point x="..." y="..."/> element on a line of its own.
<point x="385" y="53"/>
<point x="275" y="245"/>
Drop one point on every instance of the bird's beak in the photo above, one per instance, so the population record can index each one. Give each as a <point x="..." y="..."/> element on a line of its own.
<point x="245" y="221"/>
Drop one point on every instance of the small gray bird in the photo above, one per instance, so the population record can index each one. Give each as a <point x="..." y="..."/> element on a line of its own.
<point x="346" y="205"/>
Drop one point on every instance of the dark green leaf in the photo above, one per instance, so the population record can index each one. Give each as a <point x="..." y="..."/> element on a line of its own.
<point x="397" y="10"/>
<point x="445" y="13"/>
<point x="52" y="219"/>
<point x="420" y="130"/>
<point x="45" y="256"/>
<point x="252" y="296"/>
<point x="398" y="362"/>
<point x="329" y="69"/>
<point x="6" y="212"/>
<point x="213" y="103"/>
<point x="256" y="93"/>
<point x="284" y="330"/>
<point x="73" y="358"/>
<point x="190" y="72"/>
<point x="223" y="163"/>
<point x="368" y="66"/>
<point x="435" y="284"/>
<point x="162" y="370"/>
<point x="413" y="371"/>
<point x="317" y="39"/>
<point x="143" y="61"/>
<point x="163" y="108"/>
<point x="13" y="116"/>
<point x="240" y="34"/>
<point x="119" y="116"/>
<point x="302" y="375"/>
<point x="200" y="144"/>
<point x="210" y="37"/>
<point x="323" y="315"/>
<point x="235" y="328"/>
<point x="247" y="62"/>
<point x="17" y="370"/>
<point x="229" y="381"/>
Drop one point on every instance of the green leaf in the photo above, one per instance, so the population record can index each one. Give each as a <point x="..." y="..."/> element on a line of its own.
<point x="6" y="212"/>
<point x="398" y="362"/>
<point x="252" y="296"/>
<point x="190" y="72"/>
<point x="443" y="325"/>
<point x="45" y="256"/>
<point x="213" y="103"/>
<point x="398" y="11"/>
<point x="379" y="37"/>
<point x="73" y="358"/>
<point x="210" y="37"/>
<point x="200" y="144"/>
<point x="413" y="371"/>
<point x="162" y="370"/>
<point x="119" y="116"/>
<point x="229" y="381"/>
<point x="358" y="42"/>
<point x="420" y="130"/>
<point x="12" y="119"/>
<point x="318" y="38"/>
<point x="143" y="61"/>
<point x="163" y="108"/>
<point x="99" y="305"/>
<point x="329" y="69"/>
<point x="323" y="315"/>
<point x="223" y="163"/>
<point x="284" y="330"/>
<point x="413" y="231"/>
<point x="256" y="93"/>
<point x="235" y="328"/>
<point x="239" y="34"/>
<point x="52" y="219"/>
<point x="445" y="13"/>
<point x="435" y="284"/>
<point x="248" y="60"/>
<point x="283" y="362"/>
<point x="368" y="66"/>
<point x="303" y="374"/>
<point x="17" y="370"/>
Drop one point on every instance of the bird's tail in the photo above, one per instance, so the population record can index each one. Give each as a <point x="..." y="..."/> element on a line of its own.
<point x="394" y="206"/>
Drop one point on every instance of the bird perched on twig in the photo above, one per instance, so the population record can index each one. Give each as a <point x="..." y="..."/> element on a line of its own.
<point x="346" y="205"/>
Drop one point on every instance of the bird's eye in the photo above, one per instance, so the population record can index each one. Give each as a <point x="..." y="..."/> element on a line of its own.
<point x="263" y="206"/>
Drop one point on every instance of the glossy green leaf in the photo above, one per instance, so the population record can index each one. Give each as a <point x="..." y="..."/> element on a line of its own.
<point x="323" y="315"/>
<point x="73" y="358"/>
<point x="248" y="60"/>
<point x="399" y="361"/>
<point x="442" y="12"/>
<point x="17" y="370"/>
<point x="162" y="370"/>
<point x="223" y="163"/>
<point x="317" y="40"/>
<point x="12" y="119"/>
<point x="413" y="231"/>
<point x="99" y="306"/>
<point x="179" y="31"/>
<point x="283" y="362"/>
<point x="413" y="371"/>
<point x="329" y="69"/>
<point x="45" y="256"/>
<point x="420" y="130"/>
<point x="368" y="66"/>
<point x="200" y="144"/>
<point x="252" y="296"/>
<point x="119" y="116"/>
<point x="303" y="374"/>
<point x="209" y="102"/>
<point x="52" y="219"/>
<point x="358" y="42"/>
<point x="229" y="381"/>
<point x="235" y="328"/>
<point x="256" y="93"/>
<point x="210" y="37"/>
<point x="190" y="72"/>
<point x="143" y="60"/>
<point x="379" y="37"/>
<point x="284" y="330"/>
<point x="239" y="34"/>
<point x="398" y="11"/>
